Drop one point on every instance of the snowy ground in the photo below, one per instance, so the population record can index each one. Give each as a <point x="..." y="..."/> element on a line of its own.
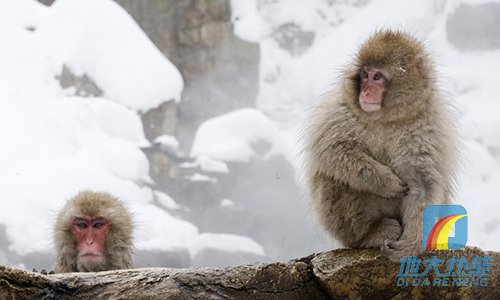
<point x="55" y="143"/>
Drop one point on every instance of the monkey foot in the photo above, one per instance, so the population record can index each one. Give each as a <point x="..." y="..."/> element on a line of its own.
<point x="394" y="250"/>
<point x="384" y="231"/>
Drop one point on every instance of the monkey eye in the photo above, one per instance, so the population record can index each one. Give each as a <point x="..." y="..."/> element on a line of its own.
<point x="364" y="74"/>
<point x="81" y="225"/>
<point x="99" y="224"/>
<point x="378" y="76"/>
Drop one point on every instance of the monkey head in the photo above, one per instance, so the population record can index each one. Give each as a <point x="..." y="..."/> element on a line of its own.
<point x="390" y="76"/>
<point x="93" y="233"/>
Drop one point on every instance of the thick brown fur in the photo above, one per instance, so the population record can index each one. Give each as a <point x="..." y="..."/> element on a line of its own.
<point x="370" y="175"/>
<point x="118" y="243"/>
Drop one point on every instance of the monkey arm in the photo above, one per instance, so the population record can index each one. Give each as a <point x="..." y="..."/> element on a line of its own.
<point x="349" y="164"/>
<point x="425" y="184"/>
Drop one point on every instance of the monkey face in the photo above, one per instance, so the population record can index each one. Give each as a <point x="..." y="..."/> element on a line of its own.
<point x="373" y="84"/>
<point x="90" y="235"/>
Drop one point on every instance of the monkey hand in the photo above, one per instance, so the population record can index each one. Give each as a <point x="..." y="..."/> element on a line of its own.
<point x="392" y="185"/>
<point x="394" y="250"/>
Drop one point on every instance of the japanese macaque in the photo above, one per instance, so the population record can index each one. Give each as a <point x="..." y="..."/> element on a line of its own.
<point x="93" y="233"/>
<point x="380" y="147"/>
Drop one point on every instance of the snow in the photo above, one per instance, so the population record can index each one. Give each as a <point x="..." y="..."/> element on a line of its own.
<point x="55" y="144"/>
<point x="100" y="39"/>
<point x="208" y="164"/>
<point x="245" y="19"/>
<point x="166" y="201"/>
<point x="225" y="242"/>
<point x="58" y="144"/>
<point x="158" y="230"/>
<point x="226" y="203"/>
<point x="168" y="143"/>
<point x="231" y="137"/>
<point x="197" y="177"/>
<point x="291" y="84"/>
<point x="20" y="14"/>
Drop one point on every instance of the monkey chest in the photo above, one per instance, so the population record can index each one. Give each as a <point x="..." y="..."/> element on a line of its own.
<point x="383" y="146"/>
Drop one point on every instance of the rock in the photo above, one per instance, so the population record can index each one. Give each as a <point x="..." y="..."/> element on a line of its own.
<point x="293" y="39"/>
<point x="355" y="274"/>
<point x="47" y="2"/>
<point x="84" y="86"/>
<point x="220" y="70"/>
<point x="337" y="274"/>
<point x="272" y="281"/>
<point x="160" y="120"/>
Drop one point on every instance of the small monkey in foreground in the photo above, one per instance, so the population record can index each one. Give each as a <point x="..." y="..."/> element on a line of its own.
<point x="93" y="233"/>
<point x="381" y="147"/>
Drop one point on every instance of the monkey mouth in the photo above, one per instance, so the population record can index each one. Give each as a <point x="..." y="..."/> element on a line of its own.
<point x="370" y="106"/>
<point x="371" y="102"/>
<point x="90" y="255"/>
<point x="90" y="258"/>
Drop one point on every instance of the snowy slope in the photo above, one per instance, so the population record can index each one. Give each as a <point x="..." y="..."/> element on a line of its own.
<point x="55" y="144"/>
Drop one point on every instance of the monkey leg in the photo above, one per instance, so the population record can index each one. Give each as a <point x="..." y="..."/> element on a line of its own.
<point x="381" y="232"/>
<point x="412" y="207"/>
<point x="361" y="220"/>
<point x="424" y="190"/>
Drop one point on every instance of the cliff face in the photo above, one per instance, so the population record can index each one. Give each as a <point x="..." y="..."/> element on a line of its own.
<point x="220" y="70"/>
<point x="343" y="273"/>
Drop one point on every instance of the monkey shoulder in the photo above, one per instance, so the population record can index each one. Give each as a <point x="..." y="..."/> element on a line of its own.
<point x="423" y="140"/>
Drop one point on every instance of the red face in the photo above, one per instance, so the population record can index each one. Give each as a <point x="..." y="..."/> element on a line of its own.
<point x="373" y="85"/>
<point x="90" y="235"/>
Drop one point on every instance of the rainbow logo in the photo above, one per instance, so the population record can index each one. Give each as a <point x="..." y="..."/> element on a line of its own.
<point x="444" y="227"/>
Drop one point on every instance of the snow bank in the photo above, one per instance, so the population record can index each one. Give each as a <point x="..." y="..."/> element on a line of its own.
<point x="233" y="136"/>
<point x="100" y="39"/>
<point x="478" y="190"/>
<point x="158" y="230"/>
<point x="226" y="243"/>
<point x="208" y="164"/>
<point x="246" y="20"/>
<point x="20" y="14"/>
<point x="168" y="143"/>
<point x="54" y="145"/>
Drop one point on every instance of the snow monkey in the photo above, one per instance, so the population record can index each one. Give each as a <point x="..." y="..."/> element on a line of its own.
<point x="93" y="232"/>
<point x="380" y="147"/>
